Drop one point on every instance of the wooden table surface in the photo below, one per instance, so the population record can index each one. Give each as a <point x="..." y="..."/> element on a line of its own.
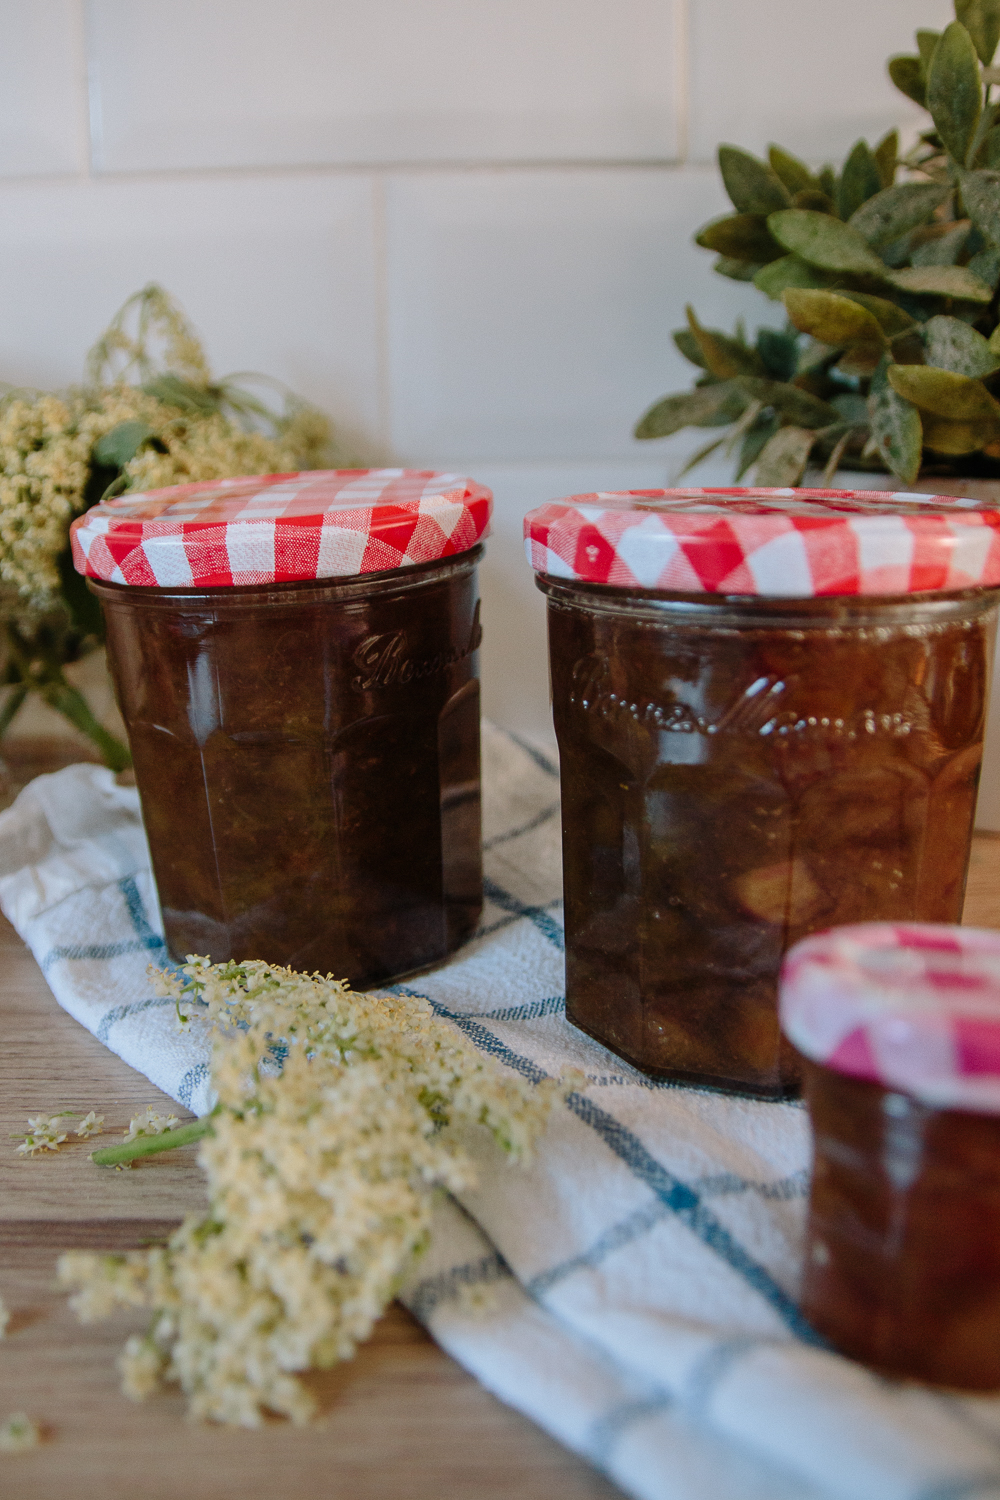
<point x="401" y="1419"/>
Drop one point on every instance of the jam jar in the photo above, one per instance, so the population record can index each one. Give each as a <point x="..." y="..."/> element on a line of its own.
<point x="769" y="706"/>
<point x="899" y="1027"/>
<point x="295" y="659"/>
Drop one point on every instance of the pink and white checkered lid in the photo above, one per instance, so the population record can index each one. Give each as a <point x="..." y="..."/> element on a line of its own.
<point x="788" y="543"/>
<point x="277" y="528"/>
<point x="915" y="1008"/>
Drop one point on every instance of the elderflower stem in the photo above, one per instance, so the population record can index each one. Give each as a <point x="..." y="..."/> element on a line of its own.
<point x="148" y="1145"/>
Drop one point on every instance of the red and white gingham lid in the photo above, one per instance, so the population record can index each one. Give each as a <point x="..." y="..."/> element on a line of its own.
<point x="915" y="1008"/>
<point x="278" y="528"/>
<point x="788" y="543"/>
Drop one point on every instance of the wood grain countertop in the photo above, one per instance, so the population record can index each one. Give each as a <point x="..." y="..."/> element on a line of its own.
<point x="400" y="1419"/>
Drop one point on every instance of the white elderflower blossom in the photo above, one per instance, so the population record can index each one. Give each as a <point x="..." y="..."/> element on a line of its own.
<point x="150" y="1123"/>
<point x="18" y="1434"/>
<point x="91" y="1124"/>
<point x="339" y="1117"/>
<point x="45" y="1133"/>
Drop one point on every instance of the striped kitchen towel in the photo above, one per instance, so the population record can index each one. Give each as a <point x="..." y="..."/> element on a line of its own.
<point x="643" y="1271"/>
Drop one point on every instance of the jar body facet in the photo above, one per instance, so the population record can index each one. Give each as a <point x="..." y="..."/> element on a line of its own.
<point x="307" y="758"/>
<point x="737" y="773"/>
<point x="902" y="1263"/>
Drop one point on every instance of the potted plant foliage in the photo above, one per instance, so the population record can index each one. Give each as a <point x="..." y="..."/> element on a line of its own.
<point x="888" y="271"/>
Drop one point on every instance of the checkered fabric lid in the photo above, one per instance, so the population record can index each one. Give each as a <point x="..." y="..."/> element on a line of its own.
<point x="277" y="528"/>
<point x="915" y="1008"/>
<point x="788" y="543"/>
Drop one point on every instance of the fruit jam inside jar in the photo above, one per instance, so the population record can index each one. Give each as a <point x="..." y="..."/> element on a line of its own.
<point x="900" y="1032"/>
<point x="295" y="658"/>
<point x="744" y="762"/>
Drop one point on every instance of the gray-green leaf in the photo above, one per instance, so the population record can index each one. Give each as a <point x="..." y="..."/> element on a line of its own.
<point x="942" y="249"/>
<point x="895" y="426"/>
<point x="740" y="237"/>
<point x="779" y="351"/>
<point x="981" y="196"/>
<point x="859" y="180"/>
<point x="736" y="270"/>
<point x="988" y="154"/>
<point x="688" y="409"/>
<point x="941" y="281"/>
<point x="798" y="406"/>
<point x="825" y="242"/>
<point x="758" y="437"/>
<point x="886" y="156"/>
<point x="953" y="345"/>
<point x="689" y="347"/>
<point x="119" y="446"/>
<point x="784" y="457"/>
<point x="790" y="270"/>
<point x="898" y="209"/>
<point x="981" y="19"/>
<point x="927" y="45"/>
<point x="954" y="90"/>
<point x="986" y="265"/>
<point x="753" y="186"/>
<point x="793" y="173"/>
<point x="907" y="74"/>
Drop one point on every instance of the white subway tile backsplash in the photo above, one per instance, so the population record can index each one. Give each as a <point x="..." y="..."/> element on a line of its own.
<point x="250" y="83"/>
<point x="277" y="275"/>
<point x="42" y="90"/>
<point x="809" y="75"/>
<point x="530" y="313"/>
<point x="515" y="669"/>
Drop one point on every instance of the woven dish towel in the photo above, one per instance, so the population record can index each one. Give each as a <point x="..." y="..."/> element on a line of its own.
<point x="644" y="1269"/>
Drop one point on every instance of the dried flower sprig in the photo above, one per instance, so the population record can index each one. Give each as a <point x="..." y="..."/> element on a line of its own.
<point x="149" y="415"/>
<point x="339" y="1116"/>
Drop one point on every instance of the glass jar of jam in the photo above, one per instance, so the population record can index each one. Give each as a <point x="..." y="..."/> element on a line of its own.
<point x="769" y="707"/>
<point x="295" y="658"/>
<point x="900" y="1030"/>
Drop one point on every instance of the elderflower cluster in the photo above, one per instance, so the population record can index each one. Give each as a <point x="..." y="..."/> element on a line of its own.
<point x="46" y="443"/>
<point x="339" y="1116"/>
<point x="150" y="1123"/>
<point x="45" y="1133"/>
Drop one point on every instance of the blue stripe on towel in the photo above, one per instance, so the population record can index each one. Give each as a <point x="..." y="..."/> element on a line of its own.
<point x="546" y="925"/>
<point x="675" y="1195"/>
<point x="607" y="1430"/>
<point x="448" y="1285"/>
<point x="125" y="1012"/>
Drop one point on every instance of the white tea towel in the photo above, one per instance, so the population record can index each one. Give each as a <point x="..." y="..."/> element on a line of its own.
<point x="643" y="1271"/>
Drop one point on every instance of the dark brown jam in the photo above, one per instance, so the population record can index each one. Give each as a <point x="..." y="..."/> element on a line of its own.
<point x="903" y="1251"/>
<point x="739" y="773"/>
<point x="307" y="757"/>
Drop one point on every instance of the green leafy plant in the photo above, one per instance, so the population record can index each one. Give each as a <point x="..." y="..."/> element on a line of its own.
<point x="888" y="272"/>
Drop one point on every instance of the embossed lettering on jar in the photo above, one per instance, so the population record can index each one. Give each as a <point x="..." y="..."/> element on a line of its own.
<point x="740" y="768"/>
<point x="303" y="714"/>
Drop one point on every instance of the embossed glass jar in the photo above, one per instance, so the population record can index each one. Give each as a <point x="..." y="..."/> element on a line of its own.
<point x="899" y="1028"/>
<point x="769" y="708"/>
<point x="295" y="658"/>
